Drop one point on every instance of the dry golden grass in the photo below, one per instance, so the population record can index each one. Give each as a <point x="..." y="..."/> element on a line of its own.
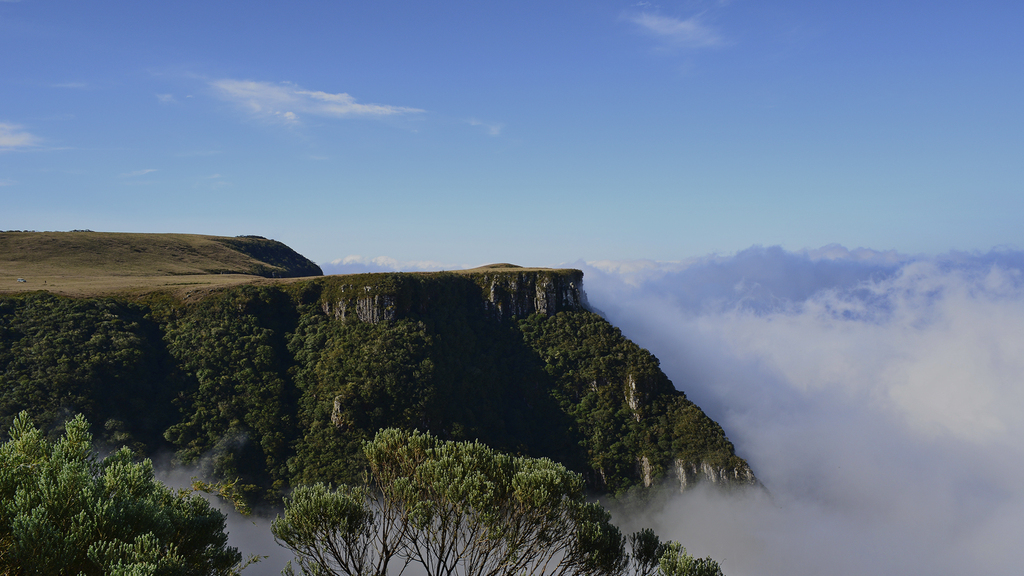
<point x="104" y="263"/>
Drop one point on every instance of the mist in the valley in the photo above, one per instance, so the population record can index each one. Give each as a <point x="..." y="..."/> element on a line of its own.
<point x="879" y="398"/>
<point x="249" y="533"/>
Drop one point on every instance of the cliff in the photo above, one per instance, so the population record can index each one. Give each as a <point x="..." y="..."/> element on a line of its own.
<point x="280" y="383"/>
<point x="505" y="292"/>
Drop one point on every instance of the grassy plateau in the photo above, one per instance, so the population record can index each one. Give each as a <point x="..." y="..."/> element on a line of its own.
<point x="105" y="263"/>
<point x="86" y="264"/>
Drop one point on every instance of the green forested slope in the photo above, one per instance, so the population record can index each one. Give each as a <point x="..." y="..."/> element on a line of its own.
<point x="103" y="358"/>
<point x="279" y="385"/>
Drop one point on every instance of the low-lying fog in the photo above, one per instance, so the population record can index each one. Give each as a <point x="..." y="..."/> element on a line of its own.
<point x="877" y="396"/>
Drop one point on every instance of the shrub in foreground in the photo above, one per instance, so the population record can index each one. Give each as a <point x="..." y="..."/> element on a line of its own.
<point x="64" y="511"/>
<point x="464" y="508"/>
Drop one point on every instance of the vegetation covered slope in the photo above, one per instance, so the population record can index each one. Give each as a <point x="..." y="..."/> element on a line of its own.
<point x="78" y="261"/>
<point x="280" y="384"/>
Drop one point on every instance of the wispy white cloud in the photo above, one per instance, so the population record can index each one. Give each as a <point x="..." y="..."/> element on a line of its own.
<point x="692" y="32"/>
<point x="492" y="128"/>
<point x="191" y="153"/>
<point x="6" y="183"/>
<point x="13" y="137"/>
<point x="138" y="173"/>
<point x="166" y="98"/>
<point x="284" y="101"/>
<point x="214" y="182"/>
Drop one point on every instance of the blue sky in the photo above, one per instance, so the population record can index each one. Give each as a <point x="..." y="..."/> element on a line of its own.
<point x="536" y="133"/>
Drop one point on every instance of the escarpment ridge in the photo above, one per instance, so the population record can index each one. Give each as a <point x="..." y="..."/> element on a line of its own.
<point x="504" y="291"/>
<point x="279" y="381"/>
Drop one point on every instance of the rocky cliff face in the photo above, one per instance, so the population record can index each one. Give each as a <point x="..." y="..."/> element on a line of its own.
<point x="519" y="294"/>
<point x="370" y="308"/>
<point x="688" y="474"/>
<point x="502" y="293"/>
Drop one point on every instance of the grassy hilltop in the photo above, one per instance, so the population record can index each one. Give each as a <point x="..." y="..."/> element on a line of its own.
<point x="92" y="264"/>
<point x="97" y="263"/>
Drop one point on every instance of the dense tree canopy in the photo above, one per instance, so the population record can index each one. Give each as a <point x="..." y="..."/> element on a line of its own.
<point x="237" y="405"/>
<point x="279" y="385"/>
<point x="63" y="511"/>
<point x="100" y="357"/>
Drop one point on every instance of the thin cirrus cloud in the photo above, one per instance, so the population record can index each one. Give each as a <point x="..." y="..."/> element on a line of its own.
<point x="285" y="101"/>
<point x="13" y="137"/>
<point x="691" y="32"/>
<point x="138" y="173"/>
<point x="492" y="129"/>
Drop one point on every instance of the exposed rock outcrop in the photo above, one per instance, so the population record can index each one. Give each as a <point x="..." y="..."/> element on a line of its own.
<point x="689" y="474"/>
<point x="371" y="308"/>
<point x="646" y="475"/>
<point x="504" y="294"/>
<point x="638" y="392"/>
<point x="519" y="294"/>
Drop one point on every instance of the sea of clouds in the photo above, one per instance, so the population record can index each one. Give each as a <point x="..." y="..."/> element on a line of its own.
<point x="361" y="265"/>
<point x="878" y="396"/>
